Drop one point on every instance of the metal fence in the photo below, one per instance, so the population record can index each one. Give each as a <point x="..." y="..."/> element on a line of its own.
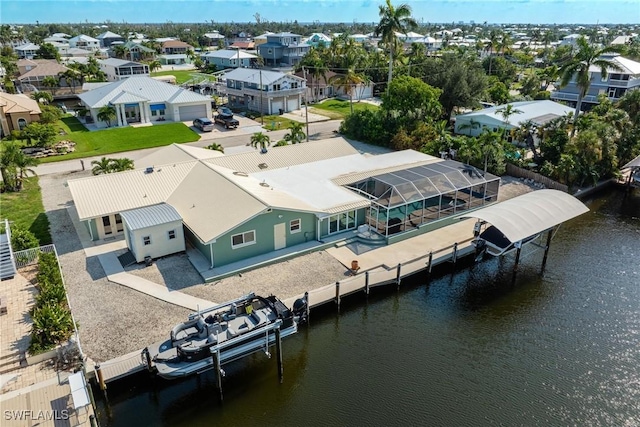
<point x="30" y="256"/>
<point x="518" y="172"/>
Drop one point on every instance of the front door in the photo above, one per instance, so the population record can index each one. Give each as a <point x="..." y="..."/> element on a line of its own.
<point x="106" y="225"/>
<point x="279" y="236"/>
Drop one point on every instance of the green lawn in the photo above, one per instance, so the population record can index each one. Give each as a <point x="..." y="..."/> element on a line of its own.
<point x="339" y="109"/>
<point x="115" y="140"/>
<point x="181" y="75"/>
<point x="276" y="122"/>
<point x="25" y="209"/>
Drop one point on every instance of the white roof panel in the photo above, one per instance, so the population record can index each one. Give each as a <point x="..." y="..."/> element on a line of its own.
<point x="175" y="153"/>
<point x="530" y="110"/>
<point x="150" y="216"/>
<point x="532" y="213"/>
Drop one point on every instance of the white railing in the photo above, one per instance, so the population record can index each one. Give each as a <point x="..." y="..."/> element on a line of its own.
<point x="30" y="256"/>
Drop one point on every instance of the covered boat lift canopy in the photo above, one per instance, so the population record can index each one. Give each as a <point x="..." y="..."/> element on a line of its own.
<point x="530" y="214"/>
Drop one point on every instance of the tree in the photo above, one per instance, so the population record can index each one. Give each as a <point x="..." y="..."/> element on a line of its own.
<point x="348" y="81"/>
<point x="121" y="165"/>
<point x="52" y="83"/>
<point x="490" y="144"/>
<point x="101" y="166"/>
<point x="507" y="111"/>
<point x="499" y="93"/>
<point x="71" y="77"/>
<point x="38" y="134"/>
<point x="215" y="147"/>
<point x="48" y="51"/>
<point x="393" y="20"/>
<point x="154" y="65"/>
<point x="42" y="97"/>
<point x="23" y="165"/>
<point x="261" y="140"/>
<point x="106" y="114"/>
<point x="119" y="51"/>
<point x="578" y="67"/>
<point x="49" y="114"/>
<point x="14" y="166"/>
<point x="22" y="239"/>
<point x="296" y="134"/>
<point x="412" y="97"/>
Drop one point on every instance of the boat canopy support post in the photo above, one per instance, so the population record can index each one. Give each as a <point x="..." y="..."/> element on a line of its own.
<point x="546" y="250"/>
<point x="101" y="382"/>
<point x="518" y="246"/>
<point x="215" y="355"/>
<point x="429" y="266"/>
<point x="279" y="355"/>
<point x="338" y="296"/>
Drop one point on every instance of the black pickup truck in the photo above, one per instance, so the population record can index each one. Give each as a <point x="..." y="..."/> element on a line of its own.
<point x="225" y="118"/>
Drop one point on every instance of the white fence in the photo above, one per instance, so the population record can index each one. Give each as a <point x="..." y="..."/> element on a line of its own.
<point x="30" y="256"/>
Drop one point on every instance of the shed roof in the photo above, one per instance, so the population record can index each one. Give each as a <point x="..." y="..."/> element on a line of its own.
<point x="532" y="213"/>
<point x="150" y="216"/>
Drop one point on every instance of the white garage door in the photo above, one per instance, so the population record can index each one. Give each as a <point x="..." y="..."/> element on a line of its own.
<point x="292" y="104"/>
<point x="275" y="107"/>
<point x="190" y="112"/>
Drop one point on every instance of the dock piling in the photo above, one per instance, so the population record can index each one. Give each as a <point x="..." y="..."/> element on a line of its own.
<point x="429" y="266"/>
<point x="338" y="295"/>
<point x="101" y="382"/>
<point x="515" y="265"/>
<point x="366" y="283"/>
<point x="546" y="251"/>
<point x="215" y="355"/>
<point x="279" y="355"/>
<point x="398" y="270"/>
<point x="454" y="256"/>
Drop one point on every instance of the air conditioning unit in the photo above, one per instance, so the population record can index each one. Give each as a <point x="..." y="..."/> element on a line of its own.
<point x="269" y="210"/>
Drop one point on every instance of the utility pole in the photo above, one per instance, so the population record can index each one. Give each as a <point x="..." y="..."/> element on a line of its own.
<point x="306" y="101"/>
<point x="261" y="89"/>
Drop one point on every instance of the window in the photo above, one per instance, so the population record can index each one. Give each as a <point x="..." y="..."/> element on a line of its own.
<point x="146" y="240"/>
<point x="172" y="234"/>
<point x="294" y="226"/>
<point x="276" y="87"/>
<point x="243" y="239"/>
<point x="22" y="123"/>
<point x="612" y="92"/>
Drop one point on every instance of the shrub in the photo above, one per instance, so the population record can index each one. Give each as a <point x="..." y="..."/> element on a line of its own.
<point x="52" y="324"/>
<point x="22" y="239"/>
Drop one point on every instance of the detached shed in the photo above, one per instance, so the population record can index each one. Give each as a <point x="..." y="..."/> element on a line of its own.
<point x="153" y="231"/>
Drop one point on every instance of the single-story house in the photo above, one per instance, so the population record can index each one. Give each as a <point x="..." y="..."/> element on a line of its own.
<point x="143" y="99"/>
<point x="235" y="207"/>
<point x="538" y="112"/>
<point x="16" y="112"/>
<point x="318" y="88"/>
<point x="269" y="91"/>
<point x="118" y="69"/>
<point x="229" y="58"/>
<point x="358" y="92"/>
<point x="34" y="71"/>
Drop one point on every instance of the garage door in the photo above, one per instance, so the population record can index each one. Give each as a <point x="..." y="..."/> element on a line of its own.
<point x="292" y="104"/>
<point x="275" y="107"/>
<point x="190" y="112"/>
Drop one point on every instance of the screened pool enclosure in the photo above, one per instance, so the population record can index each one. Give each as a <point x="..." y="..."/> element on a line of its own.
<point x="403" y="200"/>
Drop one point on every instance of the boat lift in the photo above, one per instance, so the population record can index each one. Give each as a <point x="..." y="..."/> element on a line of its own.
<point x="510" y="225"/>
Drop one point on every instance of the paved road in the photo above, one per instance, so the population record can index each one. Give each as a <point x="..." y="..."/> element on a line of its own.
<point x="235" y="139"/>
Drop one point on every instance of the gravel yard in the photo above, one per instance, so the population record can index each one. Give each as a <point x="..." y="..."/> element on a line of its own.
<point x="115" y="320"/>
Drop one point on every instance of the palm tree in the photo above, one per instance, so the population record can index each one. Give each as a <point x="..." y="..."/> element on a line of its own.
<point x="106" y="114"/>
<point x="23" y="164"/>
<point x="508" y="111"/>
<point x="577" y="67"/>
<point x="393" y="20"/>
<point x="119" y="51"/>
<point x="492" y="44"/>
<point x="295" y="135"/>
<point x="261" y="140"/>
<point x="121" y="165"/>
<point x="348" y="81"/>
<point x="154" y="65"/>
<point x="491" y="146"/>
<point x="215" y="147"/>
<point x="51" y="83"/>
<point x="42" y="97"/>
<point x="9" y="152"/>
<point x="71" y="77"/>
<point x="101" y="166"/>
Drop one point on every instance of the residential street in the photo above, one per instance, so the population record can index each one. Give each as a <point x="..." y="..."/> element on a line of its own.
<point x="233" y="140"/>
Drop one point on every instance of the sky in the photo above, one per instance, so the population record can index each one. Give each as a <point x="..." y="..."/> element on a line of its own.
<point x="362" y="11"/>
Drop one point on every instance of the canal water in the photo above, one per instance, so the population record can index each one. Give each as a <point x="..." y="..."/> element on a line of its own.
<point x="466" y="349"/>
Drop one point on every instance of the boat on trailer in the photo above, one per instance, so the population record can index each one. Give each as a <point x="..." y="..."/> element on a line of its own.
<point x="231" y="330"/>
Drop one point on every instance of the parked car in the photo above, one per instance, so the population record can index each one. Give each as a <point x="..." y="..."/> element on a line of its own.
<point x="225" y="112"/>
<point x="204" y="124"/>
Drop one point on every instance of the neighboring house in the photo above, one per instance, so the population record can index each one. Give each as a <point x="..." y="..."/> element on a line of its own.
<point x="430" y="43"/>
<point x="283" y="49"/>
<point x="261" y="39"/>
<point x="359" y="38"/>
<point x="358" y="92"/>
<point x="108" y="38"/>
<point x="614" y="85"/>
<point x="74" y="52"/>
<point x="214" y="38"/>
<point x="27" y="51"/>
<point x="173" y="47"/>
<point x="84" y="42"/>
<point x="229" y="59"/>
<point x="570" y="40"/>
<point x="174" y="59"/>
<point x="118" y="69"/>
<point x="143" y="99"/>
<point x="136" y="51"/>
<point x="318" y="88"/>
<point x="34" y="71"/>
<point x="410" y="37"/>
<point x="16" y="112"/>
<point x="538" y="112"/>
<point x="318" y="39"/>
<point x="237" y="207"/>
<point x="244" y="45"/>
<point x="624" y="40"/>
<point x="278" y="92"/>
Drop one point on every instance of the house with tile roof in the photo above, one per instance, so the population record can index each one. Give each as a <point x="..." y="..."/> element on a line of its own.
<point x="16" y="112"/>
<point x="288" y="200"/>
<point x="34" y="71"/>
<point x="142" y="99"/>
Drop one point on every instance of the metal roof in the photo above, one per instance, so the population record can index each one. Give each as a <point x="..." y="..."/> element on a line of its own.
<point x="144" y="87"/>
<point x="150" y="216"/>
<point x="532" y="213"/>
<point x="536" y="111"/>
<point x="175" y="153"/>
<point x="250" y="75"/>
<point x="282" y="157"/>
<point x="635" y="163"/>
<point x="96" y="196"/>
<point x="229" y="54"/>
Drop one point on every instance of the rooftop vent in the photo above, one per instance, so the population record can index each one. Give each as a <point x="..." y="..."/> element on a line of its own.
<point x="239" y="173"/>
<point x="263" y="166"/>
<point x="264" y="184"/>
<point x="149" y="169"/>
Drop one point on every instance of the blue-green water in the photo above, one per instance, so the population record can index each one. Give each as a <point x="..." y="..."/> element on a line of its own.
<point x="466" y="349"/>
